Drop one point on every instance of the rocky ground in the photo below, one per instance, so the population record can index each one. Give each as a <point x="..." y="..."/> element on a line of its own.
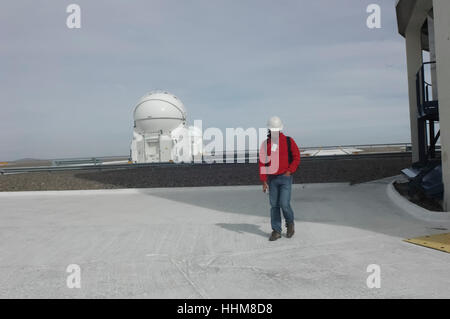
<point x="419" y="198"/>
<point x="312" y="170"/>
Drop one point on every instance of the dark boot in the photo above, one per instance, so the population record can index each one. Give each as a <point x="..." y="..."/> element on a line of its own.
<point x="290" y="230"/>
<point x="275" y="235"/>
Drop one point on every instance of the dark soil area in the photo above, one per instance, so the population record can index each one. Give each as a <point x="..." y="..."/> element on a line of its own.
<point x="419" y="199"/>
<point x="311" y="170"/>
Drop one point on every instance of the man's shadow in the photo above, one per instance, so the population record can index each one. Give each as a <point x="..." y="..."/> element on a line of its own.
<point x="244" y="228"/>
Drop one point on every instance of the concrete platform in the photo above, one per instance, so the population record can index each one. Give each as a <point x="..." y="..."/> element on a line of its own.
<point x="211" y="242"/>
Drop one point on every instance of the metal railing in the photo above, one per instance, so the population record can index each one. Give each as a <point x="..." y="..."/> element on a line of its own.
<point x="426" y="106"/>
<point x="427" y="115"/>
<point x="236" y="157"/>
<point x="77" y="161"/>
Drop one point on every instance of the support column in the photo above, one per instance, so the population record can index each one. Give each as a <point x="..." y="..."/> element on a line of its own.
<point x="414" y="62"/>
<point x="442" y="39"/>
<point x="432" y="46"/>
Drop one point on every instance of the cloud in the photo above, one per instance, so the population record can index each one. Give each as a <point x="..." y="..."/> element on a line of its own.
<point x="314" y="63"/>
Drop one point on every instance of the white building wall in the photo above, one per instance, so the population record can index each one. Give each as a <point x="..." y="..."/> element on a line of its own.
<point x="442" y="38"/>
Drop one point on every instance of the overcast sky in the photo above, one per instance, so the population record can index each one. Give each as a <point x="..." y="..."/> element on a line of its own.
<point x="234" y="63"/>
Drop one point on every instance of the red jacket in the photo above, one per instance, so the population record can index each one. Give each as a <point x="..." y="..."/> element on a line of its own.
<point x="277" y="157"/>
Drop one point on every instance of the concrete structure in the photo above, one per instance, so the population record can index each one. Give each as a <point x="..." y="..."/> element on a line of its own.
<point x="211" y="242"/>
<point x="425" y="24"/>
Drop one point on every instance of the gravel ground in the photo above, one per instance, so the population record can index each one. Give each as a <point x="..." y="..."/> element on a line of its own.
<point x="312" y="170"/>
<point x="419" y="198"/>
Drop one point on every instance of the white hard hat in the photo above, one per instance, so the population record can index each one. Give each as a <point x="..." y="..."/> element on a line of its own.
<point x="274" y="124"/>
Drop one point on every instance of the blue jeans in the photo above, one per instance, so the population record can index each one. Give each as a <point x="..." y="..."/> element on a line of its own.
<point x="280" y="197"/>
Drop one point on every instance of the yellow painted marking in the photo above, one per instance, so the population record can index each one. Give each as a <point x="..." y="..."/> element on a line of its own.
<point x="440" y="241"/>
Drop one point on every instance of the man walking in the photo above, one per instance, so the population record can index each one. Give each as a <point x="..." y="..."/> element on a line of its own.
<point x="279" y="158"/>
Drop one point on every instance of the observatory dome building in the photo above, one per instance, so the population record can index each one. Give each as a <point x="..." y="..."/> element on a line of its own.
<point x="160" y="132"/>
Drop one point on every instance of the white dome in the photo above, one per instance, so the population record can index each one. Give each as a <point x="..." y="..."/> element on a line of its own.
<point x="159" y="111"/>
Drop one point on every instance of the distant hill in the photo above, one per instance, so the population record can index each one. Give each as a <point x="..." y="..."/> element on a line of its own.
<point x="21" y="160"/>
<point x="27" y="162"/>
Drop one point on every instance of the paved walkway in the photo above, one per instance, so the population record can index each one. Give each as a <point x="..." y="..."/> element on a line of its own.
<point x="212" y="243"/>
